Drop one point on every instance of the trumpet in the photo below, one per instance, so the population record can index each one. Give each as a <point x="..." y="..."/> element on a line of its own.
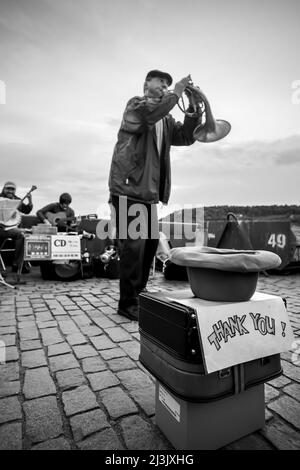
<point x="208" y="129"/>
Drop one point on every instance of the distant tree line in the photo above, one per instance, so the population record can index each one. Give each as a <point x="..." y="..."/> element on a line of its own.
<point x="284" y="211"/>
<point x="275" y="211"/>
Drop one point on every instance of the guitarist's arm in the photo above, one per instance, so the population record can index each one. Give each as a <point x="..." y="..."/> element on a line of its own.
<point x="41" y="214"/>
<point x="26" y="208"/>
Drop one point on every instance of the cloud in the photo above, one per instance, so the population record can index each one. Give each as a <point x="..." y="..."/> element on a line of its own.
<point x="221" y="157"/>
<point x="57" y="156"/>
<point x="252" y="172"/>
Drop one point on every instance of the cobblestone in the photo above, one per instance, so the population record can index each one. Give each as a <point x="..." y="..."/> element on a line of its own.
<point x="70" y="378"/>
<point x="117" y="334"/>
<point x="102" y="342"/>
<point x="8" y="388"/>
<point x="84" y="351"/>
<point x="138" y="434"/>
<point x="291" y="371"/>
<point x="53" y="444"/>
<point x="112" y="353"/>
<point x="43" y="419"/>
<point x="11" y="353"/>
<point x="117" y="402"/>
<point x="88" y="423"/>
<point x="11" y="436"/>
<point x="144" y="397"/>
<point x="270" y="393"/>
<point x="76" y="338"/>
<point x="28" y="333"/>
<point x="63" y="362"/>
<point x="9" y="340"/>
<point x="134" y="379"/>
<point x="78" y="400"/>
<point x="51" y="336"/>
<point x="93" y="364"/>
<point x="101" y="380"/>
<point x="293" y="390"/>
<point x="121" y="363"/>
<point x="57" y="349"/>
<point x="106" y="401"/>
<point x="9" y="372"/>
<point x="30" y="345"/>
<point x="105" y="440"/>
<point x="288" y="408"/>
<point x="282" y="436"/>
<point x="38" y="383"/>
<point x="32" y="359"/>
<point x="10" y="409"/>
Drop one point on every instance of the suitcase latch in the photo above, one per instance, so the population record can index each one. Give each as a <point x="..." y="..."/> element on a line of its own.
<point x="224" y="373"/>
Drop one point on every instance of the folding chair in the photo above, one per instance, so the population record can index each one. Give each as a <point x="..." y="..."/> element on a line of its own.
<point x="5" y="250"/>
<point x="3" y="266"/>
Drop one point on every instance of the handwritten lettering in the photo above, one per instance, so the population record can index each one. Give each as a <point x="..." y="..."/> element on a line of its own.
<point x="224" y="330"/>
<point x="265" y="325"/>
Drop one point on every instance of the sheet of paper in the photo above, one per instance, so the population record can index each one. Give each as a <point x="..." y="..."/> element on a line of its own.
<point x="233" y="333"/>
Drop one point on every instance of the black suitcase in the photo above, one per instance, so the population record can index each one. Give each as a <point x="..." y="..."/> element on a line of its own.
<point x="170" y="350"/>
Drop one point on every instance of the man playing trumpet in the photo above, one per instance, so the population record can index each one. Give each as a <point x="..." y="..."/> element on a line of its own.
<point x="141" y="173"/>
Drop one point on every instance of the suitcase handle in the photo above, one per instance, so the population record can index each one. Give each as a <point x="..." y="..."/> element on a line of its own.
<point x="224" y="373"/>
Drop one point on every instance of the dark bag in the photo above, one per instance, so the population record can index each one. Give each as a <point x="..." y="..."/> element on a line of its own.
<point x="112" y="269"/>
<point x="234" y="235"/>
<point x="108" y="263"/>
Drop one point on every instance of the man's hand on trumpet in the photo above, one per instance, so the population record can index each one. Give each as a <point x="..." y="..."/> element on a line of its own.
<point x="180" y="86"/>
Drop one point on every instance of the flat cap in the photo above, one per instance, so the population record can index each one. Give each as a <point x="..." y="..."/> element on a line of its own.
<point x="159" y="74"/>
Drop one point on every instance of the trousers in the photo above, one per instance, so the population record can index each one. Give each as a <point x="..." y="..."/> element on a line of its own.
<point x="137" y="236"/>
<point x="17" y="236"/>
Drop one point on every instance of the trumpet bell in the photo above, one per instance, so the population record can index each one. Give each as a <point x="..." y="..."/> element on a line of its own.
<point x="218" y="131"/>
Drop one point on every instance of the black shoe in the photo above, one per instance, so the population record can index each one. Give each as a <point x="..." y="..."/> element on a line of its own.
<point x="131" y="312"/>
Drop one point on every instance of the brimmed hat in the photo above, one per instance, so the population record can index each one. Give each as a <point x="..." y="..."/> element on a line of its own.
<point x="224" y="259"/>
<point x="159" y="74"/>
<point x="223" y="275"/>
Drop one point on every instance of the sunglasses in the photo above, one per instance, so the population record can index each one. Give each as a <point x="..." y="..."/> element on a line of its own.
<point x="10" y="187"/>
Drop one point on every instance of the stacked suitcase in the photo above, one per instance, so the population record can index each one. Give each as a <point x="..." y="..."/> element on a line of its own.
<point x="171" y="352"/>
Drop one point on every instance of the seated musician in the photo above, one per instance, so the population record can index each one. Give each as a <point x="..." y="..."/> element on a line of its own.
<point x="59" y="214"/>
<point x="9" y="192"/>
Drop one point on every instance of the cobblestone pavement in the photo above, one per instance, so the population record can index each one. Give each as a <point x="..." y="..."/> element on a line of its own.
<point x="72" y="378"/>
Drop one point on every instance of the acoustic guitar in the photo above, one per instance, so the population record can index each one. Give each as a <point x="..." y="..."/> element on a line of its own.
<point x="16" y="216"/>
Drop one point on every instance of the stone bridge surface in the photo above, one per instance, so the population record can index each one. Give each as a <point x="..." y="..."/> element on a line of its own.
<point x="72" y="377"/>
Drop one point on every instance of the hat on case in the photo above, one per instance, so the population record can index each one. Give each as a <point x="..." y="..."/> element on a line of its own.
<point x="223" y="274"/>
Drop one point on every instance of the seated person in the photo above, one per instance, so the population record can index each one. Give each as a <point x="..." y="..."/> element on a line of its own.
<point x="9" y="192"/>
<point x="58" y="214"/>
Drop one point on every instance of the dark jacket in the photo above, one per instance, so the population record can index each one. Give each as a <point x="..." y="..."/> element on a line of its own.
<point x="137" y="171"/>
<point x="24" y="208"/>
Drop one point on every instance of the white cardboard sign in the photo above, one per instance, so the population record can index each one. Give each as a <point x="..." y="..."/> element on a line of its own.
<point x="233" y="333"/>
<point x="65" y="247"/>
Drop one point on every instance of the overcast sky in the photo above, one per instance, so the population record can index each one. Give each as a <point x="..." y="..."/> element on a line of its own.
<point x="70" y="66"/>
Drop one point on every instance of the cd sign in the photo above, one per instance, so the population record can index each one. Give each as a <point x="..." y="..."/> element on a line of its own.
<point x="65" y="247"/>
<point x="52" y="247"/>
<point x="60" y="243"/>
